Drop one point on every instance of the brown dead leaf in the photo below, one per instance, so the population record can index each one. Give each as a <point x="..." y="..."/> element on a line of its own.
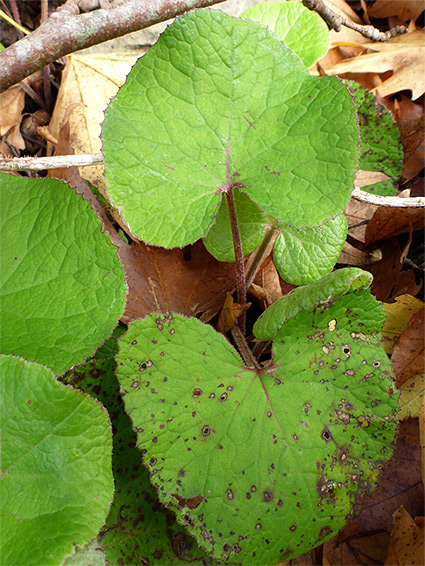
<point x="188" y="281"/>
<point x="371" y="223"/>
<point x="404" y="55"/>
<point x="350" y="255"/>
<point x="408" y="353"/>
<point x="269" y="280"/>
<point x="400" y="484"/>
<point x="386" y="271"/>
<point x="406" y="10"/>
<point x="407" y="540"/>
<point x="398" y="316"/>
<point x="230" y="313"/>
<point x="406" y="284"/>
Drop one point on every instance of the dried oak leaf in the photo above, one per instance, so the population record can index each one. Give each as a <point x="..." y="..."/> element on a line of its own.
<point x="408" y="354"/>
<point x="407" y="540"/>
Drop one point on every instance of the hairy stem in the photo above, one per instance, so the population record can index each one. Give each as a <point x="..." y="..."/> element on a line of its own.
<point x="240" y="265"/>
<point x="260" y="253"/>
<point x="244" y="349"/>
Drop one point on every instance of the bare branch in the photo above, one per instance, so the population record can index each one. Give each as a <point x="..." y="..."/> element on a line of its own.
<point x="45" y="163"/>
<point x="66" y="32"/>
<point x="335" y="21"/>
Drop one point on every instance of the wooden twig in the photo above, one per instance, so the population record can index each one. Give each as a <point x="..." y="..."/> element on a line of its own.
<point x="335" y="21"/>
<point x="83" y="160"/>
<point x="44" y="163"/>
<point x="65" y="32"/>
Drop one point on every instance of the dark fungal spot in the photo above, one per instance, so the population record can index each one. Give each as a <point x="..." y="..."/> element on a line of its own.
<point x="223" y="396"/>
<point x="134" y="342"/>
<point x="206" y="430"/>
<point x="253" y="489"/>
<point x="258" y="526"/>
<point x="152" y="461"/>
<point x="324" y="532"/>
<point x="190" y="502"/>
<point x="293" y="528"/>
<point x="326" y="435"/>
<point x="248" y="495"/>
<point x="212" y="396"/>
<point x="230" y="388"/>
<point x="376" y="364"/>
<point x="269" y="414"/>
<point x="196" y="392"/>
<point x="229" y="494"/>
<point x="267" y="496"/>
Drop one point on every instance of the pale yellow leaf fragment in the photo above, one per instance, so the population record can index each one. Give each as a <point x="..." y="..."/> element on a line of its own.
<point x="411" y="397"/>
<point x="92" y="80"/>
<point x="407" y="540"/>
<point x="398" y="316"/>
<point x="366" y="178"/>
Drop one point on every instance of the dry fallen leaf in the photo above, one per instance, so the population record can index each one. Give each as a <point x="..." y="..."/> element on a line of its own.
<point x="12" y="103"/>
<point x="406" y="10"/>
<point x="398" y="316"/>
<point x="411" y="397"/>
<point x="402" y="54"/>
<point x="408" y="353"/>
<point x="188" y="281"/>
<point x="350" y="255"/>
<point x="407" y="540"/>
<point x="91" y="79"/>
<point x="229" y="314"/>
<point x="400" y="484"/>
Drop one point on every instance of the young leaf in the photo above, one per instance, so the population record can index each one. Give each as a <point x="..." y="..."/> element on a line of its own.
<point x="303" y="256"/>
<point x="329" y="288"/>
<point x="301" y="29"/>
<point x="262" y="465"/>
<point x="251" y="222"/>
<point x="219" y="103"/>
<point x="56" y="479"/>
<point x="62" y="285"/>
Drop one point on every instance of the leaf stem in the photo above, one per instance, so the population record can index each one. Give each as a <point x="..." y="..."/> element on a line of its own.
<point x="244" y="349"/>
<point x="260" y="253"/>
<point x="240" y="265"/>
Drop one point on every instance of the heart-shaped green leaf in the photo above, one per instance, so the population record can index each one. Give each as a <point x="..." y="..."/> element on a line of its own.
<point x="301" y="29"/>
<point x="305" y="255"/>
<point x="62" y="286"/>
<point x="262" y="465"/>
<point x="56" y="477"/>
<point x="220" y="103"/>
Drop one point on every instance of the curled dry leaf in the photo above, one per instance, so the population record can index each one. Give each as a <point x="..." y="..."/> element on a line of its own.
<point x="188" y="281"/>
<point x="402" y="54"/>
<point x="407" y="540"/>
<point x="229" y="314"/>
<point x="411" y="397"/>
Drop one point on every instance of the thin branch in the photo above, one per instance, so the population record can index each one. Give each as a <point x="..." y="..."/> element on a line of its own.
<point x="65" y="32"/>
<point x="335" y="21"/>
<point x="44" y="163"/>
<point x="394" y="202"/>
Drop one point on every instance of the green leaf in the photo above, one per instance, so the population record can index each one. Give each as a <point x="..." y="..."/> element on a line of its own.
<point x="382" y="150"/>
<point x="216" y="103"/>
<point x="251" y="222"/>
<point x="262" y="465"/>
<point x="301" y="29"/>
<point x="56" y="478"/>
<point x="303" y="256"/>
<point x="62" y="285"/>
<point x="328" y="288"/>
<point x="138" y="529"/>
